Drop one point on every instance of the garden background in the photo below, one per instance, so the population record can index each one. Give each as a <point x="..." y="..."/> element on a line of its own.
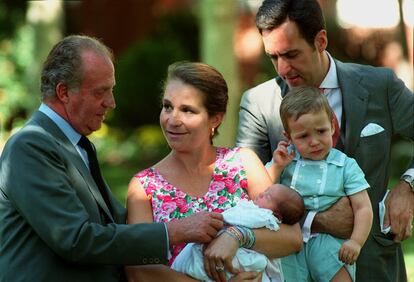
<point x="148" y="35"/>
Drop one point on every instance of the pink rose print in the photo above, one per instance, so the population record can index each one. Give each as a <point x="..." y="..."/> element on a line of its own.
<point x="218" y="177"/>
<point x="164" y="198"/>
<point x="232" y="189"/>
<point x="222" y="200"/>
<point x="243" y="183"/>
<point x="183" y="209"/>
<point x="169" y="206"/>
<point x="229" y="182"/>
<point x="216" y="186"/>
<point x="179" y="194"/>
<point x="180" y="202"/>
<point x="168" y="187"/>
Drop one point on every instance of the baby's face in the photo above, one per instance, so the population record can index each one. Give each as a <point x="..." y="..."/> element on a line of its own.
<point x="266" y="199"/>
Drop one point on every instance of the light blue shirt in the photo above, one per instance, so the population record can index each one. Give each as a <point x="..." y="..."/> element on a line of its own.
<point x="322" y="183"/>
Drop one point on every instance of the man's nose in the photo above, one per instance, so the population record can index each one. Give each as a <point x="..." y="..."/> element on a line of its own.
<point x="109" y="102"/>
<point x="283" y="67"/>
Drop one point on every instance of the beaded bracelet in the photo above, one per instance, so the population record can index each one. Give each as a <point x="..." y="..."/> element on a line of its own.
<point x="248" y="239"/>
<point x="234" y="232"/>
<point x="243" y="235"/>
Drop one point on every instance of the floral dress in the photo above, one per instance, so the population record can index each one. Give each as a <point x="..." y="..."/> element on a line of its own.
<point x="227" y="187"/>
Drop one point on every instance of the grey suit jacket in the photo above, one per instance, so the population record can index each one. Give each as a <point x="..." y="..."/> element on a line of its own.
<point x="370" y="95"/>
<point x="54" y="223"/>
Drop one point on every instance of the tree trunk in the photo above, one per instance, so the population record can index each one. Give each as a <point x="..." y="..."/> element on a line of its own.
<point x="217" y="25"/>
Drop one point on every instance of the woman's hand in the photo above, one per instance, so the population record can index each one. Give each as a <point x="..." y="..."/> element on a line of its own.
<point x="218" y="257"/>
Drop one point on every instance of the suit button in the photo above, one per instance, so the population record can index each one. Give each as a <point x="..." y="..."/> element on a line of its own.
<point x="151" y="260"/>
<point x="144" y="260"/>
<point x="157" y="260"/>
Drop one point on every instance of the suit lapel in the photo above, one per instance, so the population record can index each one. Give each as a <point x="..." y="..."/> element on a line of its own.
<point x="355" y="101"/>
<point x="74" y="157"/>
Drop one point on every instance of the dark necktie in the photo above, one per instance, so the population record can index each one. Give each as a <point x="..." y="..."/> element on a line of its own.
<point x="337" y="132"/>
<point x="94" y="168"/>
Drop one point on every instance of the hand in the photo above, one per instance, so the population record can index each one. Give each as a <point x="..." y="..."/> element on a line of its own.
<point x="220" y="253"/>
<point x="201" y="227"/>
<point x="399" y="211"/>
<point x="349" y="251"/>
<point x="337" y="221"/>
<point x="281" y="157"/>
<point x="247" y="276"/>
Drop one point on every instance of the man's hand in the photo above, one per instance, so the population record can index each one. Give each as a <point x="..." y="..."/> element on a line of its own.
<point x="337" y="221"/>
<point x="201" y="227"/>
<point x="399" y="211"/>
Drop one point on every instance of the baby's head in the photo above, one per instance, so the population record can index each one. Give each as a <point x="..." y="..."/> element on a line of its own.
<point x="286" y="203"/>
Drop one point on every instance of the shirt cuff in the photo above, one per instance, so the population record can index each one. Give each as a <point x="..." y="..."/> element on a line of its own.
<point x="409" y="172"/>
<point x="169" y="254"/>
<point x="306" y="228"/>
<point x="269" y="164"/>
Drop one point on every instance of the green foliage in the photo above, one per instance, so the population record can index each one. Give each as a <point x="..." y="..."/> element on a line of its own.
<point x="15" y="58"/>
<point x="123" y="155"/>
<point x="142" y="68"/>
<point x="12" y="15"/>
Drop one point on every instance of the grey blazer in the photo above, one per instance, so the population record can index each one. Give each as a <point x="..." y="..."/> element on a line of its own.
<point x="54" y="223"/>
<point x="370" y="95"/>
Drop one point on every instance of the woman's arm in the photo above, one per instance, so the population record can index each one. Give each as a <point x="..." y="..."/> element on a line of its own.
<point x="258" y="179"/>
<point x="276" y="244"/>
<point x="138" y="204"/>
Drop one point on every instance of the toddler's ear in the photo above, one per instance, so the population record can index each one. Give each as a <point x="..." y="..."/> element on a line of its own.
<point x="333" y="126"/>
<point x="286" y="134"/>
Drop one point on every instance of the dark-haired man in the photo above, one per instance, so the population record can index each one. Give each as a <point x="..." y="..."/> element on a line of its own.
<point x="371" y="104"/>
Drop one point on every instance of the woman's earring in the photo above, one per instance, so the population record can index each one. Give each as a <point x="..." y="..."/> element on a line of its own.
<point x="212" y="132"/>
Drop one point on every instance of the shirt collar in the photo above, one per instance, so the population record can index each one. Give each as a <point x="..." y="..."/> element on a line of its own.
<point x="63" y="125"/>
<point x="334" y="157"/>
<point x="331" y="79"/>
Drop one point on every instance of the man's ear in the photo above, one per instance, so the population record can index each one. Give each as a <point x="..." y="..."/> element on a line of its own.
<point x="321" y="41"/>
<point x="62" y="92"/>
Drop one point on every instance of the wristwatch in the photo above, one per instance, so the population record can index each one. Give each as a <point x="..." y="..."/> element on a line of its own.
<point x="409" y="179"/>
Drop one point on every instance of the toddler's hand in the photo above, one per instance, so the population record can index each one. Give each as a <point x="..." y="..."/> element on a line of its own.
<point x="281" y="156"/>
<point x="349" y="251"/>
